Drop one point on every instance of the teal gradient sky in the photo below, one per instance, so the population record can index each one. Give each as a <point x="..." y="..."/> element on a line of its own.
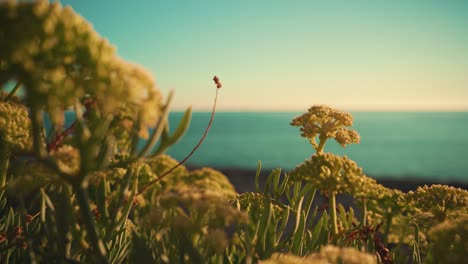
<point x="288" y="55"/>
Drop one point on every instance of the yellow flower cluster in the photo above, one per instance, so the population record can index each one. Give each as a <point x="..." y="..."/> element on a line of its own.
<point x="163" y="163"/>
<point x="59" y="58"/>
<point x="210" y="179"/>
<point x="205" y="214"/>
<point x="449" y="241"/>
<point x="346" y="255"/>
<point x="327" y="255"/>
<point x="15" y="127"/>
<point x="326" y="122"/>
<point x="201" y="179"/>
<point x="68" y="159"/>
<point x="254" y="204"/>
<point x="435" y="204"/>
<point x="195" y="201"/>
<point x="286" y="258"/>
<point x="330" y="172"/>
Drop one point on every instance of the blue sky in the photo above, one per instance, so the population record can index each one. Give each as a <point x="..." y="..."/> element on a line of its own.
<point x="288" y="55"/>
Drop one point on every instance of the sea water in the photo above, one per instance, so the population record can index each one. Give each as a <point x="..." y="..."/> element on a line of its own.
<point x="421" y="145"/>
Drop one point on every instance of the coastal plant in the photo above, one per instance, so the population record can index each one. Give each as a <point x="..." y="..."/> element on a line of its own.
<point x="84" y="177"/>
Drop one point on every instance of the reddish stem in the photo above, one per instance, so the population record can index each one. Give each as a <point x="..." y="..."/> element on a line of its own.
<point x="218" y="85"/>
<point x="54" y="144"/>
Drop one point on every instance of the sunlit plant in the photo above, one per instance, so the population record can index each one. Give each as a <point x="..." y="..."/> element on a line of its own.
<point x="84" y="177"/>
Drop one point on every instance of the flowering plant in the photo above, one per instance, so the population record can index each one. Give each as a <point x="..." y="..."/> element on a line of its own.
<point x="84" y="177"/>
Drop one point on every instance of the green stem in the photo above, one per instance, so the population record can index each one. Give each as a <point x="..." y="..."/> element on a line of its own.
<point x="332" y="209"/>
<point x="387" y="228"/>
<point x="364" y="211"/>
<point x="83" y="202"/>
<point x="36" y="123"/>
<point x="4" y="162"/>
<point x="15" y="89"/>
<point x="321" y="145"/>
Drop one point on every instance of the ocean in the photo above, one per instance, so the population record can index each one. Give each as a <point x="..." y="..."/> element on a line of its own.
<point x="417" y="145"/>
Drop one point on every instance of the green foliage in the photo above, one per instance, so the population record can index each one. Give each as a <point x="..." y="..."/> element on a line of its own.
<point x="90" y="193"/>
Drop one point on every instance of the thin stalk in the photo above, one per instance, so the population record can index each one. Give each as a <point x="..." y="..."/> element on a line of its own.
<point x="332" y="209"/>
<point x="4" y="162"/>
<point x="83" y="202"/>
<point x="387" y="228"/>
<point x="36" y="118"/>
<point x="13" y="92"/>
<point x="364" y="211"/>
<point x="191" y="152"/>
<point x="321" y="145"/>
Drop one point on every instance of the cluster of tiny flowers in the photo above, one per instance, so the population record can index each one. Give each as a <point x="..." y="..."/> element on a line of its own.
<point x="67" y="159"/>
<point x="330" y="172"/>
<point x="211" y="205"/>
<point x="15" y="126"/>
<point x="111" y="175"/>
<point x="346" y="255"/>
<point x="380" y="199"/>
<point x="29" y="177"/>
<point x="449" y="241"/>
<point x="203" y="213"/>
<point x="328" y="123"/>
<point x="437" y="203"/>
<point x="217" y="239"/>
<point x="286" y="258"/>
<point x="254" y="204"/>
<point x="209" y="179"/>
<point x="163" y="163"/>
<point x="327" y="255"/>
<point x="59" y="58"/>
<point x="144" y="174"/>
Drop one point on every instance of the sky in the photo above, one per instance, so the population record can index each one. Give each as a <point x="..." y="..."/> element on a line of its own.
<point x="288" y="55"/>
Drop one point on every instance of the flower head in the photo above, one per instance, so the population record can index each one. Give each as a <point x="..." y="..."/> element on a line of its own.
<point x="59" y="58"/>
<point x="449" y="241"/>
<point x="330" y="172"/>
<point x="15" y="126"/>
<point x="326" y="122"/>
<point x="435" y="204"/>
<point x="217" y="82"/>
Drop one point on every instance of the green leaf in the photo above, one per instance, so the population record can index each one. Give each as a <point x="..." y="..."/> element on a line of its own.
<point x="283" y="185"/>
<point x="299" y="235"/>
<point x="168" y="140"/>
<point x="257" y="176"/>
<point x="101" y="195"/>
<point x="284" y="222"/>
<point x="308" y="202"/>
<point x="265" y="222"/>
<point x="321" y="232"/>
<point x="182" y="127"/>
<point x="270" y="180"/>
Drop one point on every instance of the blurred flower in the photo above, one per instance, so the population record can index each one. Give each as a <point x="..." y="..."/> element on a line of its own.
<point x="449" y="241"/>
<point x="286" y="258"/>
<point x="346" y="255"/>
<point x="327" y="255"/>
<point x="163" y="163"/>
<point x="68" y="159"/>
<point x="59" y="58"/>
<point x="15" y="127"/>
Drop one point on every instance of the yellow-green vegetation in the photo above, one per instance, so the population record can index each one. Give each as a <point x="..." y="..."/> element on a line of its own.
<point x="89" y="192"/>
